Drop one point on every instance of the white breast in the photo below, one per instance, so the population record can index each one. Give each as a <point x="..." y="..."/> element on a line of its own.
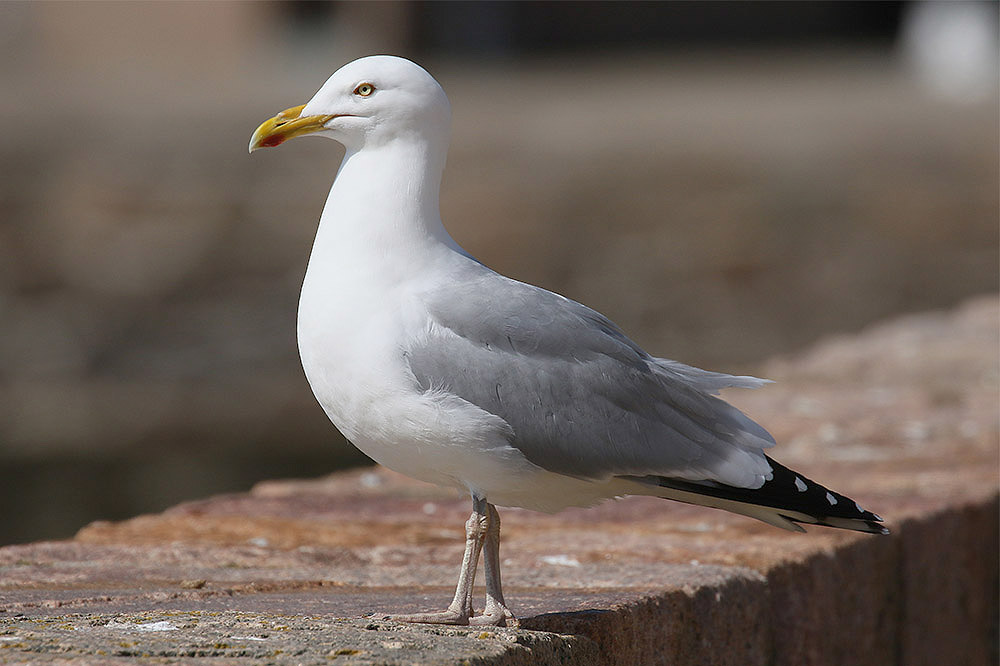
<point x="352" y="332"/>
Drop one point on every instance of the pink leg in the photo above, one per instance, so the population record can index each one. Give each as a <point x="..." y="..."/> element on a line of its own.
<point x="496" y="612"/>
<point x="460" y="609"/>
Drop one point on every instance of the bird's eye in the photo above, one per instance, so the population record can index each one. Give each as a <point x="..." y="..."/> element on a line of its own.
<point x="364" y="89"/>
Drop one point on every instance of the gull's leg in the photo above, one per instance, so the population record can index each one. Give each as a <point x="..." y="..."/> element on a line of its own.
<point x="460" y="609"/>
<point x="496" y="612"/>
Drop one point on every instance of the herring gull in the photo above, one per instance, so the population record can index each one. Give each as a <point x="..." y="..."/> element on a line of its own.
<point x="446" y="371"/>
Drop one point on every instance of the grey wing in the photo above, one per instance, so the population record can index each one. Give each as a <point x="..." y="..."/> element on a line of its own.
<point x="581" y="398"/>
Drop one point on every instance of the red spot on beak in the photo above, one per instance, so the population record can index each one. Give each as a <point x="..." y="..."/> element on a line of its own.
<point x="272" y="141"/>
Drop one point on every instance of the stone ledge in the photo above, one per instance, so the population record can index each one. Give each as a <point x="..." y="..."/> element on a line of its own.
<point x="902" y="417"/>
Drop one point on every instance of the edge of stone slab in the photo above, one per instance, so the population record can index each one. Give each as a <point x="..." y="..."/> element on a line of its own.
<point x="800" y="611"/>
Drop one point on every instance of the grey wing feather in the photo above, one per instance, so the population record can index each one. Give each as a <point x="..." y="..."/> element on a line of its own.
<point x="581" y="398"/>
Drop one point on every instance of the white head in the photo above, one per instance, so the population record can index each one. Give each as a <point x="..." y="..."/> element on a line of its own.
<point x="366" y="103"/>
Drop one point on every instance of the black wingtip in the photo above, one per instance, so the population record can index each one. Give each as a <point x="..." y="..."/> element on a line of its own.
<point x="793" y="497"/>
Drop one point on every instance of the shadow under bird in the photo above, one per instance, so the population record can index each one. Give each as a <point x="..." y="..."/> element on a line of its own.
<point x="446" y="371"/>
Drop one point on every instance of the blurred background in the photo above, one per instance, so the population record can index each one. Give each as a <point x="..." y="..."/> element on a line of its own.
<point x="727" y="181"/>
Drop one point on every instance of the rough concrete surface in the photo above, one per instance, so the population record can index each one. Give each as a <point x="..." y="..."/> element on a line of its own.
<point x="902" y="417"/>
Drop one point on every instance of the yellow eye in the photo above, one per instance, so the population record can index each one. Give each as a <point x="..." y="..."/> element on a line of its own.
<point x="364" y="89"/>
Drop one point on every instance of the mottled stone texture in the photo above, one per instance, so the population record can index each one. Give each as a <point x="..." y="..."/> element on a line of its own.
<point x="902" y="417"/>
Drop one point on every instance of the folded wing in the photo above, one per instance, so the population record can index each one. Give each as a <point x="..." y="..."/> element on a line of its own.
<point x="581" y="398"/>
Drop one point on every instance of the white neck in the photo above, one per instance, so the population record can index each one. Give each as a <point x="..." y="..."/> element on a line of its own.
<point x="383" y="208"/>
<point x="379" y="235"/>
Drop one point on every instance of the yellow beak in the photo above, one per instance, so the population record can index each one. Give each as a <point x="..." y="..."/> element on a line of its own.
<point x="286" y="125"/>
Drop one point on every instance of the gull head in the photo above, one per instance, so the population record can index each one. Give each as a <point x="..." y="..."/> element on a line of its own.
<point x="369" y="102"/>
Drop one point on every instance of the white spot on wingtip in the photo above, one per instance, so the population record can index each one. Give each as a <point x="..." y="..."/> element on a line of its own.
<point x="858" y="507"/>
<point x="800" y="485"/>
<point x="831" y="499"/>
